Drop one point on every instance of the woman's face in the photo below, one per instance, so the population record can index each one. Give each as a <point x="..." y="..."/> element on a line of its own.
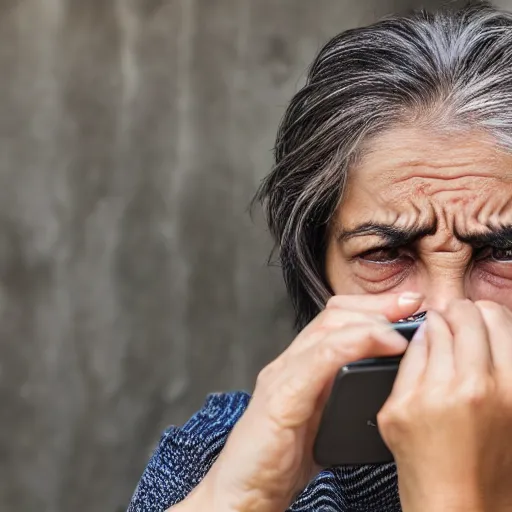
<point x="427" y="213"/>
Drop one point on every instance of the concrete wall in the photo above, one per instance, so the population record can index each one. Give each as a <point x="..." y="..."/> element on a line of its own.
<point x="133" y="134"/>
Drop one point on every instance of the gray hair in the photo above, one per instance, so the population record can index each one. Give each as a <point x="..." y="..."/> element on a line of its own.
<point x="450" y="68"/>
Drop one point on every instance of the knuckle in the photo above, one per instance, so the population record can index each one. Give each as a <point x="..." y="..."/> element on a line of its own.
<point x="353" y="350"/>
<point x="321" y="354"/>
<point x="291" y="387"/>
<point x="333" y="302"/>
<point x="475" y="392"/>
<point x="366" y="342"/>
<point x="386" y="418"/>
<point x="333" y="318"/>
<point x="399" y="418"/>
<point x="392" y="418"/>
<point x="327" y="319"/>
<point x="266" y="374"/>
<point x="316" y="336"/>
<point x="324" y="352"/>
<point x="370" y="340"/>
<point x="351" y="341"/>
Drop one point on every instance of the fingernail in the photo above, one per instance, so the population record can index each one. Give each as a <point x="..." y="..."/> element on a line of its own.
<point x="408" y="298"/>
<point x="419" y="335"/>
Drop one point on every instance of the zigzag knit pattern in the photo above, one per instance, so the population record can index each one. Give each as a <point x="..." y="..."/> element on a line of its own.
<point x="184" y="456"/>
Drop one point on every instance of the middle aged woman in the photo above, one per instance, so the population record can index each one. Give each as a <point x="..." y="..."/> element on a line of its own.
<point x="391" y="194"/>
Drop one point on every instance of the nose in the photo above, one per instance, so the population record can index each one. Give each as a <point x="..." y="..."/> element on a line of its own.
<point x="441" y="292"/>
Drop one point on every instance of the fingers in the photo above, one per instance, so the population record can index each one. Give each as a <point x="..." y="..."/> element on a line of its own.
<point x="471" y="342"/>
<point x="333" y="319"/>
<point x="393" y="306"/>
<point x="412" y="366"/>
<point x="295" y="384"/>
<point x="440" y="364"/>
<point x="467" y="340"/>
<point x="498" y="320"/>
<point x="342" y="310"/>
<point x="350" y="328"/>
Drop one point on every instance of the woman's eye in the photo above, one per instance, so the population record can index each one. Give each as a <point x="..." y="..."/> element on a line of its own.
<point x="494" y="254"/>
<point x="381" y="256"/>
<point x="501" y="254"/>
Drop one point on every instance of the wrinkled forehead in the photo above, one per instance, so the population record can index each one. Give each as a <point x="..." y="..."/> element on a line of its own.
<point x="403" y="153"/>
<point x="407" y="173"/>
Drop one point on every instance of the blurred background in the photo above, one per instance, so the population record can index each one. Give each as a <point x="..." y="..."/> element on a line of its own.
<point x="133" y="134"/>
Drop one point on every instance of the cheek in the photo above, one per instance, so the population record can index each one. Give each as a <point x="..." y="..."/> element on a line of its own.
<point x="347" y="277"/>
<point x="339" y="274"/>
<point x="492" y="281"/>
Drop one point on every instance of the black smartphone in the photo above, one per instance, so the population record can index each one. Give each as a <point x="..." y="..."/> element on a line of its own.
<point x="348" y="433"/>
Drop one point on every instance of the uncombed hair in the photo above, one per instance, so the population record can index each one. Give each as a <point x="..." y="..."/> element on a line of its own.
<point x="451" y="69"/>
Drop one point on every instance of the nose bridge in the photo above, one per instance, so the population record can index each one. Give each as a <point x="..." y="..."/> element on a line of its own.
<point x="446" y="263"/>
<point x="439" y="292"/>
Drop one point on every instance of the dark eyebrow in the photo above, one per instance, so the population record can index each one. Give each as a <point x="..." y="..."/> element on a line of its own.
<point x="499" y="237"/>
<point x="393" y="235"/>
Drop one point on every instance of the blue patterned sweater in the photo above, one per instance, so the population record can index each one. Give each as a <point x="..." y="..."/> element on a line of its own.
<point x="185" y="454"/>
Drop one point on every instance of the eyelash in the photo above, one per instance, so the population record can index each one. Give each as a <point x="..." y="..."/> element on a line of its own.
<point x="372" y="252"/>
<point x="478" y="255"/>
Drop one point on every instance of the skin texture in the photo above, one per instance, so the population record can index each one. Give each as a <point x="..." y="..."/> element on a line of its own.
<point x="449" y="417"/>
<point x="409" y="178"/>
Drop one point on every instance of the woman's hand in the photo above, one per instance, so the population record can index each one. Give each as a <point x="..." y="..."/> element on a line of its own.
<point x="448" y="420"/>
<point x="267" y="459"/>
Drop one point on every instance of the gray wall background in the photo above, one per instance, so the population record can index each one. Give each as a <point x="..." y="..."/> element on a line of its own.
<point x="133" y="134"/>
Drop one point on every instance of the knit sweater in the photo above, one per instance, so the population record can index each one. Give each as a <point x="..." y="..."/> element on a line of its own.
<point x="185" y="454"/>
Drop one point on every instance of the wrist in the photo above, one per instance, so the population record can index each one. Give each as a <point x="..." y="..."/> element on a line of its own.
<point x="451" y="500"/>
<point x="193" y="502"/>
<point x="212" y="497"/>
<point x="447" y="504"/>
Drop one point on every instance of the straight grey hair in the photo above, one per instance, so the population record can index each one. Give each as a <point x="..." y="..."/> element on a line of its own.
<point x="451" y="69"/>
